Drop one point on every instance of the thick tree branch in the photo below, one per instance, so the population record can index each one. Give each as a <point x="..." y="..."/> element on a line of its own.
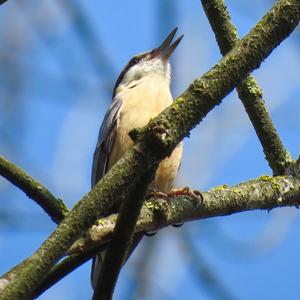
<point x="114" y="183"/>
<point x="158" y="139"/>
<point x="62" y="269"/>
<point x="263" y="193"/>
<point x="248" y="90"/>
<point x="53" y="206"/>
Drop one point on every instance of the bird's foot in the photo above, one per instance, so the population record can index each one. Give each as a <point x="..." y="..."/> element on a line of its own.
<point x="186" y="191"/>
<point x="156" y="194"/>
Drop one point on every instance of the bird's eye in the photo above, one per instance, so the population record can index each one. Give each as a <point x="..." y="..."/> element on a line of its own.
<point x="134" y="61"/>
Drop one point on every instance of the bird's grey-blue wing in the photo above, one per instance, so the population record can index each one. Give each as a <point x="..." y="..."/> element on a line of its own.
<point x="106" y="138"/>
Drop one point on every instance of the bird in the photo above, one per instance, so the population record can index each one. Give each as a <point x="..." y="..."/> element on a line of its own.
<point x="141" y="92"/>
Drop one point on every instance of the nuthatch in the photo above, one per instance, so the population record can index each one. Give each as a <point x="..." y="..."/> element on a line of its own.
<point x="141" y="92"/>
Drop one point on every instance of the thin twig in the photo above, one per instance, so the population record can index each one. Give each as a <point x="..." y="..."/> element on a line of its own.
<point x="248" y="90"/>
<point x="53" y="206"/>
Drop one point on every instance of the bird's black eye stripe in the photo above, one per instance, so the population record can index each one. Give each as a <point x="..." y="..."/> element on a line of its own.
<point x="134" y="61"/>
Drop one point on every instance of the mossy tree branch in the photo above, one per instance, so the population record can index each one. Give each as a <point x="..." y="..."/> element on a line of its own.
<point x="205" y="93"/>
<point x="248" y="90"/>
<point x="84" y="214"/>
<point x="295" y="168"/>
<point x="63" y="268"/>
<point x="53" y="206"/>
<point x="157" y="140"/>
<point x="264" y="193"/>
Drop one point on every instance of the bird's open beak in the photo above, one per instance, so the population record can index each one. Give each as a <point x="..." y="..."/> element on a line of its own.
<point x="166" y="48"/>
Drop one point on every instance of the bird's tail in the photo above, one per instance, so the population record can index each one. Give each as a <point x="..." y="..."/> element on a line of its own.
<point x="98" y="259"/>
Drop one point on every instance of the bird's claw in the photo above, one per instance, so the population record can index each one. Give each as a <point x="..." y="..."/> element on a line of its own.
<point x="157" y="194"/>
<point x="186" y="191"/>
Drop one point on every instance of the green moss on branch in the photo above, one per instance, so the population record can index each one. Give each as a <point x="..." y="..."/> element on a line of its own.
<point x="163" y="133"/>
<point x="248" y="90"/>
<point x="265" y="192"/>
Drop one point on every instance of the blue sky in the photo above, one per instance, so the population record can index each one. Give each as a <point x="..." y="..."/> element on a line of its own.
<point x="58" y="64"/>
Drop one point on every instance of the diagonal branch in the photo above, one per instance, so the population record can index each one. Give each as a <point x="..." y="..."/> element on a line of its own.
<point x="157" y="140"/>
<point x="248" y="90"/>
<point x="122" y="238"/>
<point x="58" y="272"/>
<point x="62" y="269"/>
<point x="53" y="206"/>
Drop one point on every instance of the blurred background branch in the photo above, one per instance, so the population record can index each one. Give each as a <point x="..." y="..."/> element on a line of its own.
<point x="206" y="273"/>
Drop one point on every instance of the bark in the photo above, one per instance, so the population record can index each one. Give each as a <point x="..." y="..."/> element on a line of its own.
<point x="53" y="206"/>
<point x="265" y="193"/>
<point x="248" y="90"/>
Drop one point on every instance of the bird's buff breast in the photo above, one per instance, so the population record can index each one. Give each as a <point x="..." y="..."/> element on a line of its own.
<point x="136" y="112"/>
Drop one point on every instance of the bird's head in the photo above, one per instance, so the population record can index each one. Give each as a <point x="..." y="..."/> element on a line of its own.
<point x="152" y="63"/>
